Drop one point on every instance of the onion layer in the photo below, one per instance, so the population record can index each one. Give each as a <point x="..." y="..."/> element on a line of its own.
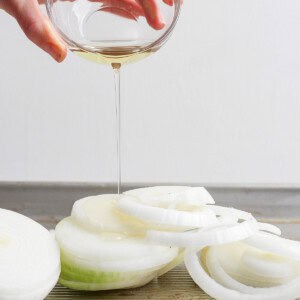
<point x="29" y="258"/>
<point x="170" y="196"/>
<point x="218" y="235"/>
<point x="99" y="261"/>
<point x="218" y="291"/>
<point x="200" y="217"/>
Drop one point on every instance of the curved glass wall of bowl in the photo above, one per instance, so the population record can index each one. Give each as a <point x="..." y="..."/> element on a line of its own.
<point x="112" y="32"/>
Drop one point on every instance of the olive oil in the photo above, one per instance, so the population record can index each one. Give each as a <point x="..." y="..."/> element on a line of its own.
<point x="115" y="55"/>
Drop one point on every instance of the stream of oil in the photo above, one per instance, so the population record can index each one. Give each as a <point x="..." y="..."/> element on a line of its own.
<point x="116" y="57"/>
<point x="117" y="79"/>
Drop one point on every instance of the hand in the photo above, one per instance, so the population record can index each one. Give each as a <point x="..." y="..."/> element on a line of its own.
<point x="39" y="30"/>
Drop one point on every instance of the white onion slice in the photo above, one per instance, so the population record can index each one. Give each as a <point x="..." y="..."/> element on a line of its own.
<point x="229" y="211"/>
<point x="218" y="273"/>
<point x="248" y="278"/>
<point x="38" y="293"/>
<point x="100" y="261"/>
<point x="231" y="257"/>
<point x="29" y="257"/>
<point x="202" y="217"/>
<point x="218" y="235"/>
<point x="227" y="220"/>
<point x="100" y="213"/>
<point x="101" y="247"/>
<point x="52" y="233"/>
<point x="276" y="245"/>
<point x="147" y="262"/>
<point x="102" y="286"/>
<point x="140" y="264"/>
<point x="269" y="228"/>
<point x="242" y="215"/>
<point x="174" y="263"/>
<point x="268" y="265"/>
<point x="289" y="291"/>
<point x="172" y="195"/>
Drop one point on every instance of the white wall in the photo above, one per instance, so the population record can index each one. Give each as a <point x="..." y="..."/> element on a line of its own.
<point x="218" y="104"/>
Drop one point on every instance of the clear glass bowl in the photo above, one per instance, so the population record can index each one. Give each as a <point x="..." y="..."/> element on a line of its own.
<point x="88" y="26"/>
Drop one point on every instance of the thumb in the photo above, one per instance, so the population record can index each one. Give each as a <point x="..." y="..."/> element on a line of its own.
<point x="37" y="27"/>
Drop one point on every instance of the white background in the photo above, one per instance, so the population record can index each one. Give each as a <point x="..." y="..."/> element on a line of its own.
<point x="219" y="104"/>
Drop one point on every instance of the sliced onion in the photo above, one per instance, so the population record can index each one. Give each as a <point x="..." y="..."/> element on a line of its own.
<point x="229" y="211"/>
<point x="147" y="262"/>
<point x="38" y="293"/>
<point x="276" y="245"/>
<point x="242" y="215"/>
<point x="52" y="233"/>
<point x="100" y="213"/>
<point x="269" y="228"/>
<point x="227" y="220"/>
<point x="218" y="274"/>
<point x="268" y="265"/>
<point x="174" y="263"/>
<point x="99" y="261"/>
<point x="220" y="234"/>
<point x="247" y="278"/>
<point x="29" y="257"/>
<point x="202" y="217"/>
<point x="231" y="256"/>
<point x="172" y="195"/>
<point x="102" y="286"/>
<point x="104" y="248"/>
<point x="289" y="291"/>
<point x="83" y="274"/>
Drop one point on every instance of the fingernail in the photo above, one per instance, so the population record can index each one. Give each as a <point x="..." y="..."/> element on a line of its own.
<point x="55" y="51"/>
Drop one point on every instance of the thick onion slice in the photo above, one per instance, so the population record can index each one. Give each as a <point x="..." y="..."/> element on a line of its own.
<point x="100" y="213"/>
<point x="29" y="258"/>
<point x="218" y="273"/>
<point x="101" y="247"/>
<point x="218" y="235"/>
<point x="88" y="275"/>
<point x="218" y="291"/>
<point x="268" y="265"/>
<point x="123" y="265"/>
<point x="100" y="261"/>
<point x="96" y="275"/>
<point x="254" y="267"/>
<point x="276" y="245"/>
<point x="172" y="195"/>
<point x="201" y="217"/>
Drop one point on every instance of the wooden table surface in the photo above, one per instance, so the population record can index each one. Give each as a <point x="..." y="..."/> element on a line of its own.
<point x="49" y="203"/>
